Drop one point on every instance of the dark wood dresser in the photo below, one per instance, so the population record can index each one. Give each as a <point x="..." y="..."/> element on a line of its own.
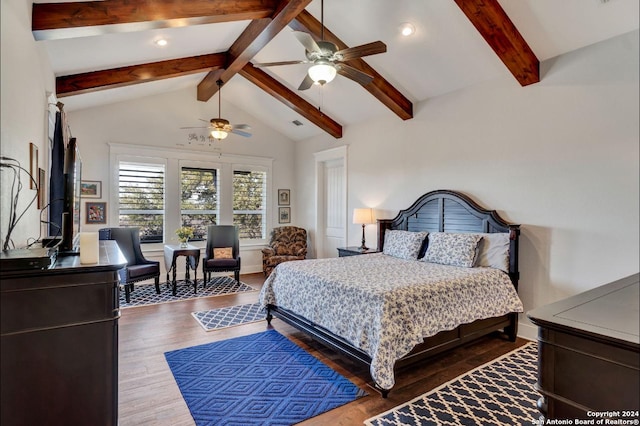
<point x="59" y="342"/>
<point x="589" y="353"/>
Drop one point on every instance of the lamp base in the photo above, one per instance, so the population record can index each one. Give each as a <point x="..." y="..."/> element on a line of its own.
<point x="363" y="247"/>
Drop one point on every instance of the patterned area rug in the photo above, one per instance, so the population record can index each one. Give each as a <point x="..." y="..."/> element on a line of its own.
<point x="146" y="294"/>
<point x="229" y="316"/>
<point x="498" y="393"/>
<point x="260" y="379"/>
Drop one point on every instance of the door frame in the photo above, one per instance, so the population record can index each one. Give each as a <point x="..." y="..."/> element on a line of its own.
<point x="338" y="153"/>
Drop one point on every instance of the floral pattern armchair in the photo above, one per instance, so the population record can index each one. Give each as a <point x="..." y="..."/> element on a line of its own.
<point x="286" y="243"/>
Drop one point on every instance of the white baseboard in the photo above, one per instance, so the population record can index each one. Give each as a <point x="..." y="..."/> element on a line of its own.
<point x="528" y="331"/>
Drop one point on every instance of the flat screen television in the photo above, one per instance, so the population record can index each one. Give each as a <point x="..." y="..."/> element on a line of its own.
<point x="71" y="208"/>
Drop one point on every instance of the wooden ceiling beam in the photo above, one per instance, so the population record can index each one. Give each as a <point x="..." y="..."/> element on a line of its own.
<point x="69" y="85"/>
<point x="291" y="99"/>
<point x="504" y="38"/>
<point x="380" y="88"/>
<point x="77" y="19"/>
<point x="251" y="41"/>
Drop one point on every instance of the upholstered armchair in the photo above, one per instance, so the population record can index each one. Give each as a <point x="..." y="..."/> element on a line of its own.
<point x="138" y="268"/>
<point x="286" y="243"/>
<point x="223" y="251"/>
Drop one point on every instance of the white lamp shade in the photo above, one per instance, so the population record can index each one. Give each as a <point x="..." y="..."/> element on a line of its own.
<point x="218" y="134"/>
<point x="363" y="216"/>
<point x="322" y="73"/>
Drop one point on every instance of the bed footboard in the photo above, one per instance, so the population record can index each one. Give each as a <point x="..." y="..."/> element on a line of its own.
<point x="439" y="343"/>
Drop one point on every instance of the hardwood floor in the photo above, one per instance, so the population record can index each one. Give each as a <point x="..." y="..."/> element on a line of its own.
<point x="148" y="393"/>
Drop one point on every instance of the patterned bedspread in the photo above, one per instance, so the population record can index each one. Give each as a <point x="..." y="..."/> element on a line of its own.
<point x="385" y="305"/>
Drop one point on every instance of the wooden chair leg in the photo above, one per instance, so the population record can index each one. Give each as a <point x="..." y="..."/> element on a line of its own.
<point x="237" y="276"/>
<point x="158" y="284"/>
<point x="127" y="293"/>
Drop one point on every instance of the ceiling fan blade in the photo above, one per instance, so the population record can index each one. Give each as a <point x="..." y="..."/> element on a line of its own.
<point x="306" y="83"/>
<point x="372" y="48"/>
<point x="307" y="41"/>
<point x="241" y="133"/>
<point x="354" y="74"/>
<point x="241" y="127"/>
<point x="273" y="64"/>
<point x="202" y="119"/>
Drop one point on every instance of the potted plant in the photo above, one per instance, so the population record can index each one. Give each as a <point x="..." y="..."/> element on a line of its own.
<point x="184" y="233"/>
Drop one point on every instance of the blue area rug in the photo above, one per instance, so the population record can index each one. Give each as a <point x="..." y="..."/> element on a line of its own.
<point x="497" y="393"/>
<point x="260" y="379"/>
<point x="215" y="319"/>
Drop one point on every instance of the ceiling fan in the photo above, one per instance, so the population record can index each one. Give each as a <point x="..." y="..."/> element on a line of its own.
<point x="328" y="61"/>
<point x="219" y="128"/>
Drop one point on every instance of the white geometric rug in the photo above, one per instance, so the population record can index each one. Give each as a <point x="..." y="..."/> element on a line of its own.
<point x="146" y="294"/>
<point x="216" y="319"/>
<point x="497" y="393"/>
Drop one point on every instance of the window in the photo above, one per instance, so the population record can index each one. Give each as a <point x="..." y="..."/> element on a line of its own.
<point x="161" y="189"/>
<point x="199" y="199"/>
<point x="249" y="203"/>
<point x="141" y="199"/>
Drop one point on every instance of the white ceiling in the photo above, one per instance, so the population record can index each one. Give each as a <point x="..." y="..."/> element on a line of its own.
<point x="445" y="54"/>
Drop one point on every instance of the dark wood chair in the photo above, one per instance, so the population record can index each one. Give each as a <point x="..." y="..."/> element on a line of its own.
<point x="138" y="268"/>
<point x="221" y="237"/>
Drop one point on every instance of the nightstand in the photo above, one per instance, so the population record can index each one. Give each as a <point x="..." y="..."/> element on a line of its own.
<point x="354" y="251"/>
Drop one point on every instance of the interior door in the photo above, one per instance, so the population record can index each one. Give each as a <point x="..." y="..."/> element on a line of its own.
<point x="331" y="201"/>
<point x="333" y="207"/>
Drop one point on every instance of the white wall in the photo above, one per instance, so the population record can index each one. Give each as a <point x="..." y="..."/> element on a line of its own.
<point x="559" y="157"/>
<point x="27" y="79"/>
<point x="156" y="121"/>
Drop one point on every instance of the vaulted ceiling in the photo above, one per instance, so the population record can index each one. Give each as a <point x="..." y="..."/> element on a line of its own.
<point x="103" y="51"/>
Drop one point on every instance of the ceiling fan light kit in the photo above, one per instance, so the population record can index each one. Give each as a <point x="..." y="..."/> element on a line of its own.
<point x="327" y="60"/>
<point x="322" y="72"/>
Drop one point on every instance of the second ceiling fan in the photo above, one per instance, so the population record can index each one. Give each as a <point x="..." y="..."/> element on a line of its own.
<point x="327" y="60"/>
<point x="219" y="128"/>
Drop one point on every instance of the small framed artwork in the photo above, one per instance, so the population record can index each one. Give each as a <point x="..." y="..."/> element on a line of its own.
<point x="42" y="177"/>
<point x="33" y="165"/>
<point x="96" y="213"/>
<point x="284" y="214"/>
<point x="91" y="189"/>
<point x="283" y="197"/>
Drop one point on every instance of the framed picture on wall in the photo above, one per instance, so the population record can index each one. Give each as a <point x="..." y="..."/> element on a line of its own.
<point x="96" y="213"/>
<point x="91" y="189"/>
<point x="283" y="197"/>
<point x="42" y="178"/>
<point x="33" y="166"/>
<point x="284" y="214"/>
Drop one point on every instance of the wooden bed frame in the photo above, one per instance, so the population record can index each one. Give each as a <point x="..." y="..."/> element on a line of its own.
<point x="444" y="211"/>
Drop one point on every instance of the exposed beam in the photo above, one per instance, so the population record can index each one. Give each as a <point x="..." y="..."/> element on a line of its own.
<point x="77" y="19"/>
<point x="379" y="87"/>
<point x="94" y="81"/>
<point x="251" y="41"/>
<point x="504" y="38"/>
<point x="290" y="99"/>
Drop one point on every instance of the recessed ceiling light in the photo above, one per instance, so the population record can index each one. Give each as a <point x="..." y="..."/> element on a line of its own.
<point x="407" y="29"/>
<point x="161" y="42"/>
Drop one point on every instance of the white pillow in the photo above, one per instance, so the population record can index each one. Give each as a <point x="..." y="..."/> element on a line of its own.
<point x="452" y="249"/>
<point x="493" y="251"/>
<point x="403" y="244"/>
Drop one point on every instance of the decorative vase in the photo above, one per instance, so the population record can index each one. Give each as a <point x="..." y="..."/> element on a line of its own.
<point x="183" y="243"/>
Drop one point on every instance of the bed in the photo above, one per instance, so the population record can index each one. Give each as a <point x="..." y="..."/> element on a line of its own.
<point x="447" y="275"/>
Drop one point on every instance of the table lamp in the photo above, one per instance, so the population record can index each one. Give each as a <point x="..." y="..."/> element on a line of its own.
<point x="363" y="217"/>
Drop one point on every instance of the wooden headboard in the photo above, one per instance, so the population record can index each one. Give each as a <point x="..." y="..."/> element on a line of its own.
<point x="450" y="211"/>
